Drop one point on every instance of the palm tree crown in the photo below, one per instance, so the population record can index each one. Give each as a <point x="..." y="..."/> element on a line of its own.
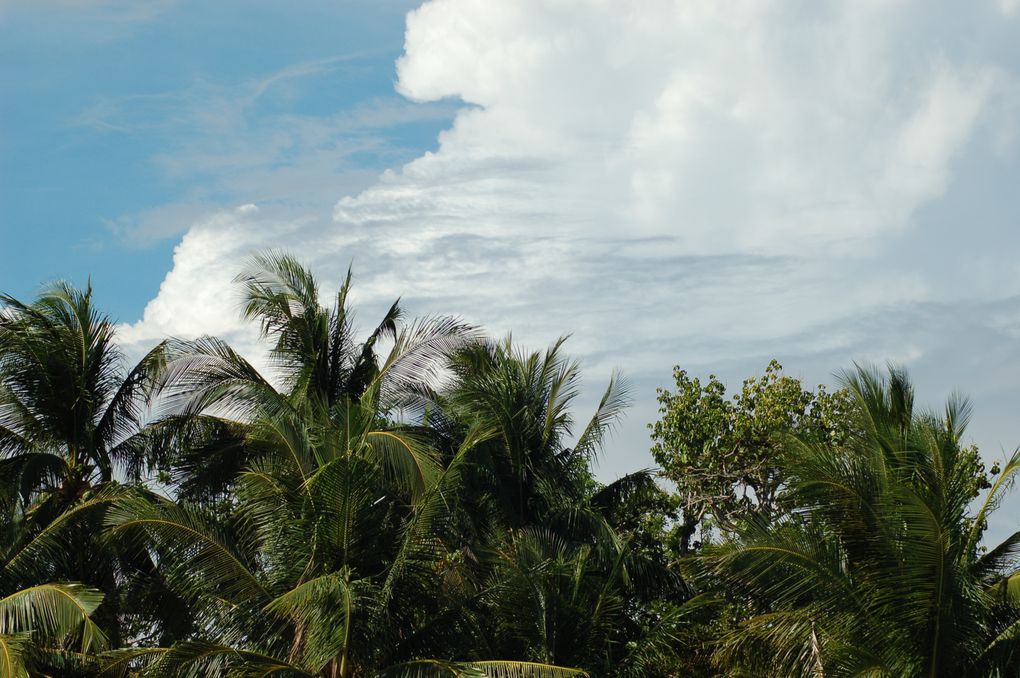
<point x="69" y="411"/>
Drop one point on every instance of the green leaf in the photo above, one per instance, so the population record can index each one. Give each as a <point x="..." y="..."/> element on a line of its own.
<point x="53" y="611"/>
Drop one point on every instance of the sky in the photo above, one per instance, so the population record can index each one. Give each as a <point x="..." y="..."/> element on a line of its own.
<point x="669" y="182"/>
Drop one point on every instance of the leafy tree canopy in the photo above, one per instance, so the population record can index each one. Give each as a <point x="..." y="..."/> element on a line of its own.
<point x="723" y="453"/>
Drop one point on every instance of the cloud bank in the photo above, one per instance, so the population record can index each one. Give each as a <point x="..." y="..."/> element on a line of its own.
<point x="681" y="182"/>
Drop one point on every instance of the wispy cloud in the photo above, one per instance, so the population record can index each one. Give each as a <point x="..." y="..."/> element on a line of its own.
<point x="226" y="143"/>
<point x="205" y="106"/>
<point x="104" y="18"/>
<point x="299" y="70"/>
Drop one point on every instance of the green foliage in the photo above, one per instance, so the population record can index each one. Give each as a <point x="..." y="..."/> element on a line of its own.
<point x="723" y="454"/>
<point x="875" y="568"/>
<point x="72" y="428"/>
<point x="68" y="409"/>
<point x="39" y="623"/>
<point x="331" y="555"/>
<point x="419" y="500"/>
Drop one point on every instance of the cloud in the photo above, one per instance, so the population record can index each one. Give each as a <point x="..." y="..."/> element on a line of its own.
<point x="117" y="14"/>
<point x="156" y="223"/>
<point x="226" y="143"/>
<point x="672" y="182"/>
<point x="730" y="128"/>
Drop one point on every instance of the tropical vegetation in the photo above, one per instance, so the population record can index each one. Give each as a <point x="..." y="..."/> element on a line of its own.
<point x="420" y="500"/>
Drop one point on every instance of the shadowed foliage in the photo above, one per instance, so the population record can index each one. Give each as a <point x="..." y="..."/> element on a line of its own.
<point x="419" y="501"/>
<point x="877" y="569"/>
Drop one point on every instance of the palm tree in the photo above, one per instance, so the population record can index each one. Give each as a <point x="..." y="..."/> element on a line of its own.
<point x="326" y="560"/>
<point x="313" y="576"/>
<point x="563" y="601"/>
<point x="557" y="580"/>
<point x="323" y="377"/>
<point x="530" y="469"/>
<point x="70" y="414"/>
<point x="71" y="428"/>
<point x="879" y="570"/>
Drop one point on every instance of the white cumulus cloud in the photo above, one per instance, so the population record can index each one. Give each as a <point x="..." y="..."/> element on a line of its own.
<point x="691" y="181"/>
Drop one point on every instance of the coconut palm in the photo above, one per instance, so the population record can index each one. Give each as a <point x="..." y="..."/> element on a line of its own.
<point x="70" y="413"/>
<point x="557" y="580"/>
<point x="314" y="576"/>
<point x="71" y="429"/>
<point x="880" y="569"/>
<point x="570" y="603"/>
<point x="530" y="469"/>
<point x="229" y="414"/>
<point x="327" y="558"/>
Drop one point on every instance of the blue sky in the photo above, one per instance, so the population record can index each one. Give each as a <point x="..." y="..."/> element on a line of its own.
<point x="670" y="182"/>
<point x="93" y="96"/>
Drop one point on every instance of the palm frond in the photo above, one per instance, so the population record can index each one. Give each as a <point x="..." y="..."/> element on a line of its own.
<point x="53" y="611"/>
<point x="408" y="460"/>
<point x="206" y="376"/>
<point x="197" y="658"/>
<point x="129" y="661"/>
<point x="323" y="608"/>
<point x="1001" y="560"/>
<point x="419" y="544"/>
<point x="49" y="543"/>
<point x="1003" y="484"/>
<point x="511" y="669"/>
<point x="122" y="416"/>
<point x="198" y="557"/>
<point x="635" y="484"/>
<point x="420" y="355"/>
<point x="615" y="400"/>
<point x="430" y="668"/>
<point x="348" y="511"/>
<point x="12" y="650"/>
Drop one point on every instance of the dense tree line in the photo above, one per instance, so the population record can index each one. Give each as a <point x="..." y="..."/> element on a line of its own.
<point x="420" y="501"/>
